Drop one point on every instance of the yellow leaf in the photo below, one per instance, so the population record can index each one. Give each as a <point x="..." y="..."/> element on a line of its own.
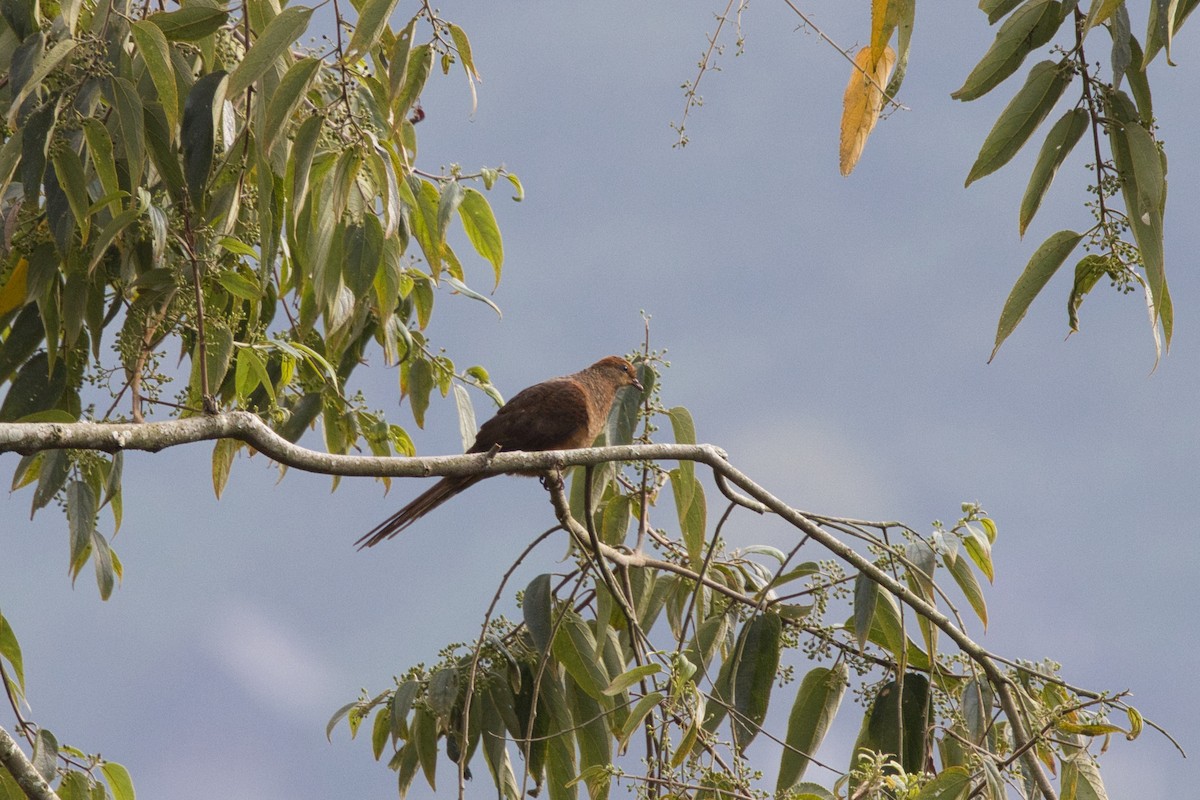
<point x="13" y="294"/>
<point x="883" y="22"/>
<point x="862" y="103"/>
<point x="1100" y="12"/>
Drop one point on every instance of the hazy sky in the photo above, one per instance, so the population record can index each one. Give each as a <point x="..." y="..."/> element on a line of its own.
<point x="830" y="333"/>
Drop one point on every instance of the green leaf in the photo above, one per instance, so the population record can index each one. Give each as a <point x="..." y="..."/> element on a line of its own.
<point x="495" y="749"/>
<point x="45" y="754"/>
<point x="960" y="569"/>
<point x="752" y="675"/>
<point x="631" y="677"/>
<point x="119" y="782"/>
<point x="977" y="700"/>
<point x="891" y="726"/>
<point x="24" y="335"/>
<point x="424" y="735"/>
<point x="81" y="519"/>
<point x="692" y="512"/>
<point x="1030" y="27"/>
<point x="420" y="384"/>
<point x="286" y="99"/>
<point x="442" y="692"/>
<point x="201" y="114"/>
<point x="995" y="9"/>
<point x="866" y="596"/>
<point x="131" y="123"/>
<point x="52" y="476"/>
<point x="481" y="228"/>
<point x="372" y="17"/>
<point x="35" y="388"/>
<point x="1087" y="272"/>
<point x="1021" y="117"/>
<point x="1041" y="267"/>
<point x="1081" y="778"/>
<point x="281" y="33"/>
<point x="69" y="171"/>
<point x="153" y="47"/>
<point x="102" y="560"/>
<point x="952" y="783"/>
<point x="45" y="65"/>
<point x="467" y="428"/>
<point x="110" y="232"/>
<point x="573" y="647"/>
<point x="416" y="73"/>
<point x="643" y="707"/>
<point x="10" y="651"/>
<point x="100" y="150"/>
<point x="1061" y="139"/>
<point x="536" y="607"/>
<point x="361" y="255"/>
<point x="190" y="23"/>
<point x="816" y="703"/>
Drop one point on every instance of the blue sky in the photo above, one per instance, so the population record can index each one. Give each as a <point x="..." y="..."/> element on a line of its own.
<point x="832" y="334"/>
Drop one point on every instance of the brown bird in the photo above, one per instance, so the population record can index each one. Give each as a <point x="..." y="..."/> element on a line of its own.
<point x="558" y="414"/>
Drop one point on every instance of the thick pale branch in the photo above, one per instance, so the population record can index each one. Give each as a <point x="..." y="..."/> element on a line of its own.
<point x="13" y="759"/>
<point x="32" y="437"/>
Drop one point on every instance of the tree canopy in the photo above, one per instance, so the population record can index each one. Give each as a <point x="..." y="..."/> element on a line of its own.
<point x="177" y="178"/>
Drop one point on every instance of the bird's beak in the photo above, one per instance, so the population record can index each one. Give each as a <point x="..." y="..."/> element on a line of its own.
<point x="637" y="385"/>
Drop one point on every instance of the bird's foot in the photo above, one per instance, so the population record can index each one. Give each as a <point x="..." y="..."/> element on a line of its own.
<point x="552" y="479"/>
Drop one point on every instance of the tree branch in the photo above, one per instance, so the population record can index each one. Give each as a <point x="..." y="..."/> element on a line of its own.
<point x="33" y="437"/>
<point x="14" y="760"/>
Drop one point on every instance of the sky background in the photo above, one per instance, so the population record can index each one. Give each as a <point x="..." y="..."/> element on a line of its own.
<point x="832" y="334"/>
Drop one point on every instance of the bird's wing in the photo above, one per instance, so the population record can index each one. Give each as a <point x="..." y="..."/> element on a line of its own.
<point x="547" y="416"/>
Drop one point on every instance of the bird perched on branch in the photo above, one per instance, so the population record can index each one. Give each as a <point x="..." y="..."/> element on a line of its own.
<point x="559" y="414"/>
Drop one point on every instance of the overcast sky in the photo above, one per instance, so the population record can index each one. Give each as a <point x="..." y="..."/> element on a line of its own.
<point x="832" y="334"/>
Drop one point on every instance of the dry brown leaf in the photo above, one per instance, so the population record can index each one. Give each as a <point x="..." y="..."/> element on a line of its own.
<point x="862" y="103"/>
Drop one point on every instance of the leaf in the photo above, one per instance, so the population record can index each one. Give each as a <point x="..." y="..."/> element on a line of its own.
<point x="816" y="703"/>
<point x="1081" y="778"/>
<point x="573" y="647"/>
<point x="631" y="677"/>
<point x="52" y="476"/>
<point x="466" y="291"/>
<point x="45" y="754"/>
<point x="1061" y="139"/>
<point x="442" y="692"/>
<point x="1030" y="27"/>
<point x="24" y="335"/>
<point x="960" y="569"/>
<point x="131" y="122"/>
<point x="467" y="428"/>
<point x="81" y="519"/>
<point x="861" y="104"/>
<point x="424" y="735"/>
<point x="153" y="47"/>
<point x="10" y="651"/>
<point x="1021" y="117"/>
<point x="35" y="388"/>
<point x="100" y="149"/>
<point x="536" y="608"/>
<point x="201" y="113"/>
<point x="977" y="698"/>
<point x="362" y="253"/>
<point x="754" y="663"/>
<point x="286" y="99"/>
<point x="416" y="73"/>
<point x="463" y="45"/>
<point x="45" y="65"/>
<point x="995" y="9"/>
<point x="866" y="596"/>
<point x="481" y="228"/>
<point x="905" y="13"/>
<point x="643" y="707"/>
<point x="883" y="23"/>
<point x="1041" y="267"/>
<point x="190" y="23"/>
<point x="979" y="548"/>
<point x="280" y="34"/>
<point x="69" y="171"/>
<point x="890" y="726"/>
<point x="952" y="783"/>
<point x="372" y="17"/>
<point x="102" y="560"/>
<point x="692" y="512"/>
<point x="1087" y="272"/>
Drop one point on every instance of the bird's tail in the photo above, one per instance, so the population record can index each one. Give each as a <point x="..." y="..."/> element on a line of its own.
<point x="433" y="497"/>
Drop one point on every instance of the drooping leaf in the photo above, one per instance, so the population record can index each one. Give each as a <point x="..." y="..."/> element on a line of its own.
<point x="190" y="23"/>
<point x="866" y="597"/>
<point x="481" y="228"/>
<point x="155" y="51"/>
<point x="816" y="703"/>
<point x="372" y="17"/>
<point x="952" y="783"/>
<point x="201" y="114"/>
<point x="1041" y="268"/>
<point x="286" y="99"/>
<point x="280" y="34"/>
<point x="1021" y="117"/>
<point x="862" y="103"/>
<point x="896" y="728"/>
<point x="1030" y="27"/>
<point x="130" y="122"/>
<point x="1061" y="139"/>
<point x="536" y="608"/>
<point x="751" y="676"/>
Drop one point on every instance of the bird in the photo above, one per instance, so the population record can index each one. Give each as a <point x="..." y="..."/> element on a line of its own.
<point x="558" y="414"/>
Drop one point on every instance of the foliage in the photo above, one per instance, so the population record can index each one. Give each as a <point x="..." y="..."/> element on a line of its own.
<point x="659" y="676"/>
<point x="174" y="179"/>
<point x="1124" y="245"/>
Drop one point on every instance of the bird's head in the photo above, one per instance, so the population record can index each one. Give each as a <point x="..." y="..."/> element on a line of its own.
<point x="619" y="371"/>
